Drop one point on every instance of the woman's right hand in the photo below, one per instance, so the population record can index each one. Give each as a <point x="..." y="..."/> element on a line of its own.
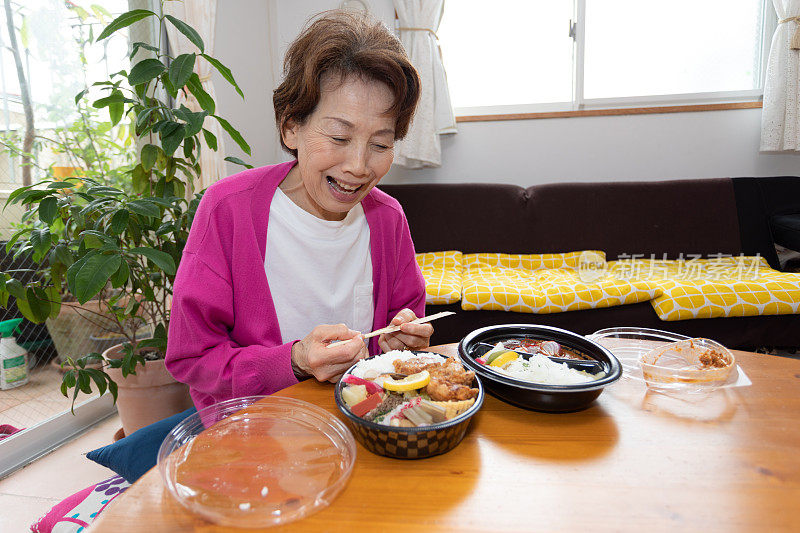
<point x="315" y="355"/>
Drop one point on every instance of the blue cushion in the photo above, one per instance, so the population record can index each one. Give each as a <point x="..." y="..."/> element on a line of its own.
<point x="132" y="456"/>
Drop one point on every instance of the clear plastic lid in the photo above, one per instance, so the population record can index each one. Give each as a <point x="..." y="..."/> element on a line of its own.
<point x="257" y="461"/>
<point x="629" y="344"/>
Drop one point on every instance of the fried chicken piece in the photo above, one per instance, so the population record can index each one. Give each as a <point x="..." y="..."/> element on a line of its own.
<point x="452" y="371"/>
<point x="449" y="380"/>
<point x="411" y="366"/>
<point x="443" y="391"/>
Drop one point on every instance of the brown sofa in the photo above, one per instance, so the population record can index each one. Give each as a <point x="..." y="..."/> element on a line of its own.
<point x="692" y="216"/>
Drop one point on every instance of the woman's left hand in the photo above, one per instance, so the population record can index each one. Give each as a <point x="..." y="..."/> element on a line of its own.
<point x="409" y="337"/>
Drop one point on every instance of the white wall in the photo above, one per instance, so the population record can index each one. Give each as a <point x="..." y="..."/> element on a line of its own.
<point x="524" y="152"/>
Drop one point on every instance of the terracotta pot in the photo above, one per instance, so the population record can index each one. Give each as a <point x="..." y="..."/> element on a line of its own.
<point x="150" y="395"/>
<point x="75" y="327"/>
<point x="70" y="331"/>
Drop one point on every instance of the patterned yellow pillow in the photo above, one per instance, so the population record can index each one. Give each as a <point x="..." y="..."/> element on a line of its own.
<point x="442" y="272"/>
<point x="725" y="287"/>
<point x="548" y="283"/>
<point x="531" y="261"/>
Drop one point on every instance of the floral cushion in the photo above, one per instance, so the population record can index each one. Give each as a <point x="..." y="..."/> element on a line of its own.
<point x="442" y="273"/>
<point x="75" y="513"/>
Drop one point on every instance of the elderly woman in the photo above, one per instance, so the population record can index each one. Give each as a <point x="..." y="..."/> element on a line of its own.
<point x="287" y="265"/>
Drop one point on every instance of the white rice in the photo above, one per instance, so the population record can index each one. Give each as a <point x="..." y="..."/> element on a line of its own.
<point x="540" y="369"/>
<point x="382" y="364"/>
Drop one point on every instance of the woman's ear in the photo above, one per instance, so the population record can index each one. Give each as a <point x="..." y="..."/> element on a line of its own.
<point x="289" y="133"/>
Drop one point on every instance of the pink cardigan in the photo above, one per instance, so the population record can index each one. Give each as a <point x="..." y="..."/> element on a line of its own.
<point x="224" y="337"/>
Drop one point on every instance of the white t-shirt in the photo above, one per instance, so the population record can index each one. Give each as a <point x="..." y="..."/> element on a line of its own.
<point x="319" y="271"/>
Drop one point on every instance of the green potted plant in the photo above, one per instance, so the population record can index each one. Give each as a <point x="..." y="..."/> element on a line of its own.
<point x="123" y="242"/>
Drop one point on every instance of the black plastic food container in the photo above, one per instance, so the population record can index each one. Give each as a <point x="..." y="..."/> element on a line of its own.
<point x="537" y="396"/>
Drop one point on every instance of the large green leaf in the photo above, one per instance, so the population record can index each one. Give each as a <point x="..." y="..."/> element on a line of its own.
<point x="120" y="277"/>
<point x="192" y="118"/>
<point x="144" y="207"/>
<point x="100" y="379"/>
<point x="15" y="288"/>
<point x="140" y="179"/>
<point x="171" y="137"/>
<point x="180" y="69"/>
<point x="16" y="194"/>
<point x="63" y="255"/>
<point x="235" y="135"/>
<point x="237" y="161"/>
<point x="187" y="30"/>
<point x="54" y="297"/>
<point x="94" y="275"/>
<point x="149" y="156"/>
<point x="40" y="240"/>
<point x="115" y="112"/>
<point x="143" y="119"/>
<point x="145" y="70"/>
<point x="48" y="208"/>
<point x="162" y="259"/>
<point x="61" y="185"/>
<point x="80" y="95"/>
<point x="72" y="271"/>
<point x="135" y="48"/>
<point x="125" y="20"/>
<point x="116" y="97"/>
<point x="173" y="92"/>
<point x="99" y="235"/>
<point x="34" y="307"/>
<point x="203" y="98"/>
<point x="119" y="221"/>
<point x="225" y="71"/>
<point x="104" y="190"/>
<point x="41" y="301"/>
<point x="211" y="139"/>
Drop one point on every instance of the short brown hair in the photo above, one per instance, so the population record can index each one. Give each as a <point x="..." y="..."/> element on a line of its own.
<point x="344" y="43"/>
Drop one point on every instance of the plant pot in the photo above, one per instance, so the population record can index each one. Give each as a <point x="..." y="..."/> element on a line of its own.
<point x="150" y="395"/>
<point x="70" y="331"/>
<point x="103" y="341"/>
<point x="77" y="326"/>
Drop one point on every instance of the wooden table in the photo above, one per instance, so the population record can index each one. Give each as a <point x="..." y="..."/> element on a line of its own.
<point x="634" y="461"/>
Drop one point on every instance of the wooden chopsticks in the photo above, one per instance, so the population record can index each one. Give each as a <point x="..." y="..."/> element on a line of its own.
<point x="392" y="329"/>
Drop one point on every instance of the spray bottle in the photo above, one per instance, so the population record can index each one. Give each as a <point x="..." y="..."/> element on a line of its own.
<point x="13" y="358"/>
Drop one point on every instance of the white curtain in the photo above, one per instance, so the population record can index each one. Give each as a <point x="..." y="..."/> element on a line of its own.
<point x="419" y="20"/>
<point x="202" y="16"/>
<point x="780" y="116"/>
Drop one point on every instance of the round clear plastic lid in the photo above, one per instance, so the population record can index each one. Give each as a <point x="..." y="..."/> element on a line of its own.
<point x="257" y="461"/>
<point x="629" y="344"/>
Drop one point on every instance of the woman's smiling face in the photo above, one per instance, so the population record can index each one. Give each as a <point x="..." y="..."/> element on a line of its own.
<point x="343" y="148"/>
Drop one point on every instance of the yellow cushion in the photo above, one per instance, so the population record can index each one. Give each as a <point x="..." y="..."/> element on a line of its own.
<point x="442" y="273"/>
<point x="722" y="287"/>
<point x="531" y="261"/>
<point x="544" y="283"/>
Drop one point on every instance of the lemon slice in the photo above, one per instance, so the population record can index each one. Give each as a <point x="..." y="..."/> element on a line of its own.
<point x="412" y="382"/>
<point x="503" y="359"/>
<point x="494" y="355"/>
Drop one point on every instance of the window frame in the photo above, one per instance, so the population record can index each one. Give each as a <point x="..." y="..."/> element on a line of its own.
<point x="581" y="106"/>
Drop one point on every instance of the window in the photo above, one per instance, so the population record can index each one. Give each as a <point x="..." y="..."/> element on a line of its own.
<point x="574" y="54"/>
<point x="59" y="57"/>
<point x="56" y="44"/>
